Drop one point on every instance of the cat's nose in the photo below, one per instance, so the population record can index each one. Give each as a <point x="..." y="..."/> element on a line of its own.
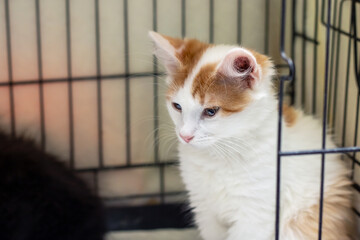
<point x="187" y="139"/>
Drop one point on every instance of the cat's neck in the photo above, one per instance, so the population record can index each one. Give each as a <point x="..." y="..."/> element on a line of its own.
<point x="255" y="141"/>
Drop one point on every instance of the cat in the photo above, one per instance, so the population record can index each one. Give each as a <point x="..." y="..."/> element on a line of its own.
<point x="224" y="107"/>
<point x="41" y="199"/>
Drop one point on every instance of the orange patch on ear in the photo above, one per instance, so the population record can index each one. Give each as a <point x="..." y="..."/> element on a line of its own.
<point x="175" y="42"/>
<point x="187" y="51"/>
<point x="290" y="115"/>
<point x="214" y="90"/>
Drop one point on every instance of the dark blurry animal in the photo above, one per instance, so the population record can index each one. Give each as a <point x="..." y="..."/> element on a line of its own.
<point x="42" y="199"/>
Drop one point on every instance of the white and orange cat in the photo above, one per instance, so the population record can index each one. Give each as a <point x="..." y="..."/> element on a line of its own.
<point x="225" y="111"/>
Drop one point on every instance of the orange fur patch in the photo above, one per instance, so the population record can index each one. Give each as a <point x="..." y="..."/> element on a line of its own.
<point x="337" y="215"/>
<point x="189" y="52"/>
<point x="214" y="90"/>
<point x="262" y="60"/>
<point x="290" y="115"/>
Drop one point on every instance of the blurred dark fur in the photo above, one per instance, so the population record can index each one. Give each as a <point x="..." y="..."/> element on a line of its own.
<point x="41" y="199"/>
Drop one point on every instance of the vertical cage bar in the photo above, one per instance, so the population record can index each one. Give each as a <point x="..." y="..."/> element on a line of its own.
<point x="354" y="27"/>
<point x="324" y="119"/>
<point x="356" y="132"/>
<point x="303" y="54"/>
<point x="346" y="91"/>
<point x="162" y="183"/>
<point x="281" y="96"/>
<point x="98" y="82"/>
<point x="40" y="72"/>
<point x="357" y="75"/>
<point x="315" y="57"/>
<point x="10" y="72"/>
<point x="338" y="43"/>
<point x="332" y="80"/>
<point x="183" y="18"/>
<point x="211" y="21"/>
<point x="278" y="174"/>
<point x="96" y="181"/>
<point x="127" y="84"/>
<point x="293" y="30"/>
<point x="239" y="15"/>
<point x="267" y="26"/>
<point x="155" y="91"/>
<point x="322" y="10"/>
<point x="70" y="91"/>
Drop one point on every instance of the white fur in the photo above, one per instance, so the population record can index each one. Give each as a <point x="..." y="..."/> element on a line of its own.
<point x="166" y="53"/>
<point x="229" y="168"/>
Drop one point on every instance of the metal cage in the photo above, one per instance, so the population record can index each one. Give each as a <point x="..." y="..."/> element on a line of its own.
<point x="332" y="21"/>
<point x="294" y="84"/>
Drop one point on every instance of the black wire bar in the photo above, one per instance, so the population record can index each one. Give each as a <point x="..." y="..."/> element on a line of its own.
<point x="211" y="21"/>
<point x="303" y="35"/>
<point x="69" y="82"/>
<point x="315" y="49"/>
<point x="98" y="84"/>
<point x="334" y="75"/>
<point x="335" y="150"/>
<point x="93" y="77"/>
<point x="127" y="83"/>
<point x="83" y="78"/>
<point x="145" y="195"/>
<point x="239" y="22"/>
<point x="357" y="75"/>
<point x="10" y="72"/>
<point x="40" y="75"/>
<point x="303" y="52"/>
<point x="133" y="165"/>
<point x="332" y="57"/>
<point x="335" y="28"/>
<point x="324" y="125"/>
<point x="281" y="90"/>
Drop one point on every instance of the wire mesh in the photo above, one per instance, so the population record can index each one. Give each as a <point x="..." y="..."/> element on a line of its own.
<point x="304" y="35"/>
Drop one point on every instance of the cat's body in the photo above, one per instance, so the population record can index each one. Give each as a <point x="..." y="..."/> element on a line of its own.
<point x="225" y="111"/>
<point x="237" y="189"/>
<point x="41" y="199"/>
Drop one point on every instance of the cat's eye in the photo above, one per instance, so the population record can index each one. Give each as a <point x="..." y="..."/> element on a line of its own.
<point x="210" y="112"/>
<point x="176" y="106"/>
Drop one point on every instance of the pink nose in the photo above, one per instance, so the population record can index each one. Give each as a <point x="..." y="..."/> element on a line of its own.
<point x="187" y="138"/>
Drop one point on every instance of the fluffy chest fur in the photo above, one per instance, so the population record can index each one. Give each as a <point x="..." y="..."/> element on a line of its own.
<point x="233" y="182"/>
<point x="228" y="182"/>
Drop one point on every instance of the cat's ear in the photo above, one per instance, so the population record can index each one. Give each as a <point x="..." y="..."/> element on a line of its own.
<point x="166" y="50"/>
<point x="240" y="64"/>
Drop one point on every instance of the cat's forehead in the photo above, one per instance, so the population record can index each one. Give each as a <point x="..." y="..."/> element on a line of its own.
<point x="213" y="55"/>
<point x="192" y="71"/>
<point x="202" y="86"/>
<point x="187" y="100"/>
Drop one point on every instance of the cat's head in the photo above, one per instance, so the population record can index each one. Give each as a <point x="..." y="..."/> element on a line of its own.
<point x="214" y="91"/>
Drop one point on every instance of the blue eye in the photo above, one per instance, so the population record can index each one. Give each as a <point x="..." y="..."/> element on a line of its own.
<point x="177" y="106"/>
<point x="210" y="112"/>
